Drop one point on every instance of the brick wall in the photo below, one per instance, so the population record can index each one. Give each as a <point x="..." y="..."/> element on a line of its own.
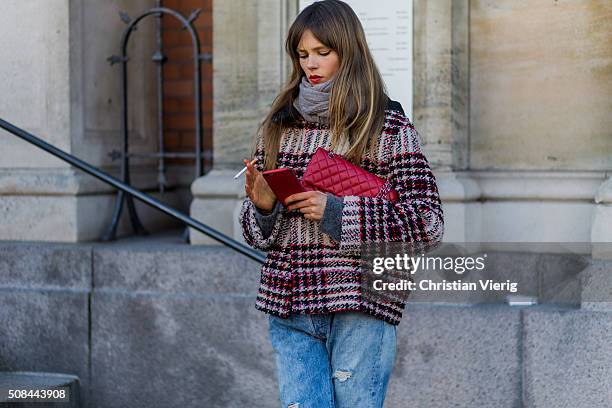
<point x="179" y="104"/>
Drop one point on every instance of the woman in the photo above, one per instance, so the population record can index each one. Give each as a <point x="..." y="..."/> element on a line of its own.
<point x="334" y="346"/>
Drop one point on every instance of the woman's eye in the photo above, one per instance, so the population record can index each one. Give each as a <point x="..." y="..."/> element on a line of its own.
<point x="323" y="54"/>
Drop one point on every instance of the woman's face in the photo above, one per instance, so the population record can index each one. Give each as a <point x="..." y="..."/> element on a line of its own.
<point x="319" y="63"/>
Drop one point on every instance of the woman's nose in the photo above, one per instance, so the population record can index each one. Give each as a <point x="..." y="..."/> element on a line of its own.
<point x="312" y="62"/>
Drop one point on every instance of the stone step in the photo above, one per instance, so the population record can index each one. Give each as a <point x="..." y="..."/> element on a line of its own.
<point x="159" y="323"/>
<point x="27" y="380"/>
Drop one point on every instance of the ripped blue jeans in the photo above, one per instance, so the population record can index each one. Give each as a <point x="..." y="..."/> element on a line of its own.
<point x="337" y="360"/>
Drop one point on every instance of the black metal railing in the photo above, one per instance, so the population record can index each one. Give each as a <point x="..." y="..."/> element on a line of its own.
<point x="100" y="175"/>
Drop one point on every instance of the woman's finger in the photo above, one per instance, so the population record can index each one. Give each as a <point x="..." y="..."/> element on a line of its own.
<point x="306" y="202"/>
<point x="249" y="178"/>
<point x="299" y="204"/>
<point x="252" y="169"/>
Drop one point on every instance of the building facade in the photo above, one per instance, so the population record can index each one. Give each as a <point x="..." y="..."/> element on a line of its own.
<point x="511" y="99"/>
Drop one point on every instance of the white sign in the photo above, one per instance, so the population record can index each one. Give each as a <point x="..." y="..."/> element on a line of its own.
<point x="388" y="28"/>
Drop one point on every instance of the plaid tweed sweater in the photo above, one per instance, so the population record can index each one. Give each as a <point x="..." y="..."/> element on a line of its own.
<point x="306" y="271"/>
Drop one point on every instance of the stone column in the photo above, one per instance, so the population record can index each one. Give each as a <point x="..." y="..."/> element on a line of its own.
<point x="59" y="86"/>
<point x="441" y="108"/>
<point x="249" y="66"/>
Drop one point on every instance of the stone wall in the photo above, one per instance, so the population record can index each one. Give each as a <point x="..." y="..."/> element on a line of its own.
<point x="540" y="85"/>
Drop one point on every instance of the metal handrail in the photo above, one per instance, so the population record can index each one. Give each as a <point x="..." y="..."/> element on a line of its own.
<point x="97" y="173"/>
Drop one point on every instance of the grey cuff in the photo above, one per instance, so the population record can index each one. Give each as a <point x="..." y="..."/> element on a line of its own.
<point x="331" y="223"/>
<point x="266" y="221"/>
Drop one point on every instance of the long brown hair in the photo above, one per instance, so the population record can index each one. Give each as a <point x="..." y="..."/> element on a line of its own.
<point x="357" y="99"/>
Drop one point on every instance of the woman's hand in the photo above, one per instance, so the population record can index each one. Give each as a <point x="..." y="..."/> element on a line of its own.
<point x="310" y="203"/>
<point x="258" y="189"/>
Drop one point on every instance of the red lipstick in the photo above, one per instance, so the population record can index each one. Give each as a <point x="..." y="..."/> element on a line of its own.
<point x="315" y="79"/>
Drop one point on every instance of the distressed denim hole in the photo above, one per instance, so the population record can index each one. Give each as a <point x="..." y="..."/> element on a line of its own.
<point x="342" y="375"/>
<point x="294" y="405"/>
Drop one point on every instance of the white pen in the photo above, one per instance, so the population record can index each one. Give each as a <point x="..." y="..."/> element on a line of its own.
<point x="243" y="170"/>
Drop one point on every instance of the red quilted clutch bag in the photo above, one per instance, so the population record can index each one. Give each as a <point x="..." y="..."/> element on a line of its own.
<point x="330" y="173"/>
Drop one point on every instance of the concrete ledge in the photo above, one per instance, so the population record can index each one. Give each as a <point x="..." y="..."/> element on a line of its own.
<point x="537" y="185"/>
<point x="45" y="265"/>
<point x="71" y="181"/>
<point x="65" y="218"/>
<point x="202" y="270"/>
<point x="537" y="206"/>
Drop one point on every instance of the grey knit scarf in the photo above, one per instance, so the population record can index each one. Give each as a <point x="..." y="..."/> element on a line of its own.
<point x="313" y="101"/>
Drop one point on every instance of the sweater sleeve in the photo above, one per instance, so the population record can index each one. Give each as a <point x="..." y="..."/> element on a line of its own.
<point x="266" y="221"/>
<point x="331" y="223"/>
<point x="415" y="218"/>
<point x="260" y="231"/>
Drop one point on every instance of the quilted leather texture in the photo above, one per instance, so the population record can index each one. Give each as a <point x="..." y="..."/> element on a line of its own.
<point x="329" y="172"/>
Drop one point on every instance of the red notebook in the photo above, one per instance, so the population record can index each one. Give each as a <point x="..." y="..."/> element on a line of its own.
<point x="283" y="183"/>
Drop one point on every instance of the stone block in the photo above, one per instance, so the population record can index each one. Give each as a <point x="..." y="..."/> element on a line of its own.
<point x="516" y="83"/>
<point x="566" y="358"/>
<point x="43" y="265"/>
<point x="596" y="286"/>
<point x="217" y="199"/>
<point x="550" y="277"/>
<point x="158" y="350"/>
<point x="457" y="357"/>
<point x="45" y="331"/>
<point x="172" y="268"/>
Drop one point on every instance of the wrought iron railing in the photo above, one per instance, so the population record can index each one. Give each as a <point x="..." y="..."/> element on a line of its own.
<point x="159" y="58"/>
